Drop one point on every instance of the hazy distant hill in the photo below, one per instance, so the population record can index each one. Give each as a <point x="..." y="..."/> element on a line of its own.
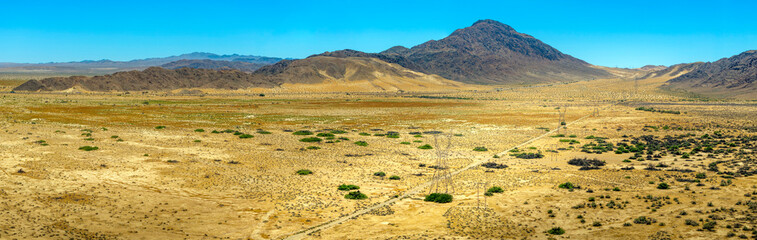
<point x="732" y="77"/>
<point x="214" y="64"/>
<point x="153" y="78"/>
<point x="89" y="67"/>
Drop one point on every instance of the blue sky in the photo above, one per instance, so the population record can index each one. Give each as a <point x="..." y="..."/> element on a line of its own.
<point x="608" y="33"/>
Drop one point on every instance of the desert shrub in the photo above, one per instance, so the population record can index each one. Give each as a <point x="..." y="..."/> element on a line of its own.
<point x="438" y="198"/>
<point x="197" y="140"/>
<point x="567" y="185"/>
<point x="237" y="133"/>
<point x="303" y="132"/>
<point x="172" y="161"/>
<point x="709" y="225"/>
<point x="338" y="131"/>
<point x="160" y="127"/>
<point x="88" y="148"/>
<point x="417" y="141"/>
<point x="245" y="136"/>
<point x="380" y="174"/>
<point x="394" y="177"/>
<point x="304" y="172"/>
<point x="663" y="186"/>
<point x="426" y="146"/>
<point x="644" y="220"/>
<point x="527" y="155"/>
<point x="311" y="139"/>
<point x="263" y="132"/>
<point x="355" y="195"/>
<point x="480" y="149"/>
<point x="364" y="134"/>
<point x="556" y="231"/>
<point x="345" y="187"/>
<point x="361" y="143"/>
<point x="344" y="138"/>
<point x="325" y="135"/>
<point x="495" y="189"/>
<point x="393" y="135"/>
<point x="596" y="224"/>
<point x="692" y="223"/>
<point x="215" y="131"/>
<point x="313" y="147"/>
<point x="114" y="136"/>
<point x="701" y="175"/>
<point x="405" y="143"/>
<point x="494" y="165"/>
<point x="199" y="130"/>
<point x="586" y="164"/>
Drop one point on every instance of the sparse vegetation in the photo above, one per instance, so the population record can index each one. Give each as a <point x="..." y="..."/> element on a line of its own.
<point x="438" y="198"/>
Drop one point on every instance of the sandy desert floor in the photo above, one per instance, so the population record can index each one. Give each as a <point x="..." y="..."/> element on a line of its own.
<point x="172" y="166"/>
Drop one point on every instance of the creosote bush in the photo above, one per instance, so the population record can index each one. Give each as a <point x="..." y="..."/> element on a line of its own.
<point x="199" y="130"/>
<point x="495" y="189"/>
<point x="345" y="187"/>
<point x="245" y="136"/>
<point x="361" y="143"/>
<point x="426" y="147"/>
<point x="663" y="186"/>
<point x="160" y="127"/>
<point x="438" y="198"/>
<point x="304" y="172"/>
<point x="379" y="174"/>
<point x="303" y="132"/>
<point x="556" y="231"/>
<point x="394" y="177"/>
<point x="355" y="195"/>
<point x="480" y="149"/>
<point x="311" y="139"/>
<point x="88" y="148"/>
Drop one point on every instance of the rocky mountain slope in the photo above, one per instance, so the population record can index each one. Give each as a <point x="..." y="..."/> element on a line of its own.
<point x="489" y="52"/>
<point x="214" y="64"/>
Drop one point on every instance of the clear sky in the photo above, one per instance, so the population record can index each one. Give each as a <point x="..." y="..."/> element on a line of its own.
<point x="608" y="33"/>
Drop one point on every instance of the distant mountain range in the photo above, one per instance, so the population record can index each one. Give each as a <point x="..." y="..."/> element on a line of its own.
<point x="105" y="66"/>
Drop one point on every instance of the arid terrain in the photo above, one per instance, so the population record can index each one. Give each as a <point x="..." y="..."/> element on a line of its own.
<point x="226" y="164"/>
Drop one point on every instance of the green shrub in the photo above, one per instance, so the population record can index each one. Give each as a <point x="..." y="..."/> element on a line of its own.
<point x="701" y="175"/>
<point x="495" y="189"/>
<point x="114" y="136"/>
<point x="88" y="148"/>
<point x="364" y="134"/>
<point x="663" y="186"/>
<point x="426" y="147"/>
<point x="567" y="185"/>
<point x="304" y="172"/>
<point x="338" y="131"/>
<point x="644" y="220"/>
<point x="438" y="198"/>
<point x="380" y="174"/>
<point x="406" y="143"/>
<point x="361" y="143"/>
<point x="355" y="195"/>
<point x="313" y="147"/>
<point x="303" y="132"/>
<point x="160" y="127"/>
<point x="325" y="135"/>
<point x="263" y="132"/>
<point x="311" y="139"/>
<point x="556" y="231"/>
<point x="480" y="149"/>
<point x="345" y="187"/>
<point x="344" y="138"/>
<point x="394" y="177"/>
<point x="245" y="136"/>
<point x="199" y="130"/>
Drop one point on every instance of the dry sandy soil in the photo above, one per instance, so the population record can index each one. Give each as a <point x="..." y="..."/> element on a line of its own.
<point x="155" y="176"/>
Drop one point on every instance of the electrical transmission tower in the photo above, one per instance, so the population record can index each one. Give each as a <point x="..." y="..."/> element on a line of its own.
<point x="561" y="112"/>
<point x="482" y="188"/>
<point x="595" y="113"/>
<point x="442" y="179"/>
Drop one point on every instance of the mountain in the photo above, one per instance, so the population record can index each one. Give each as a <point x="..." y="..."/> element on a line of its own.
<point x="489" y="52"/>
<point x="153" y="78"/>
<point x="315" y="73"/>
<point x="214" y="64"/>
<point x="90" y="67"/>
<point x="730" y="77"/>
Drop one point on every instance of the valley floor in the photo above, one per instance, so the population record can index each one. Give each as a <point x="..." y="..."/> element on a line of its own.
<point x="225" y="166"/>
